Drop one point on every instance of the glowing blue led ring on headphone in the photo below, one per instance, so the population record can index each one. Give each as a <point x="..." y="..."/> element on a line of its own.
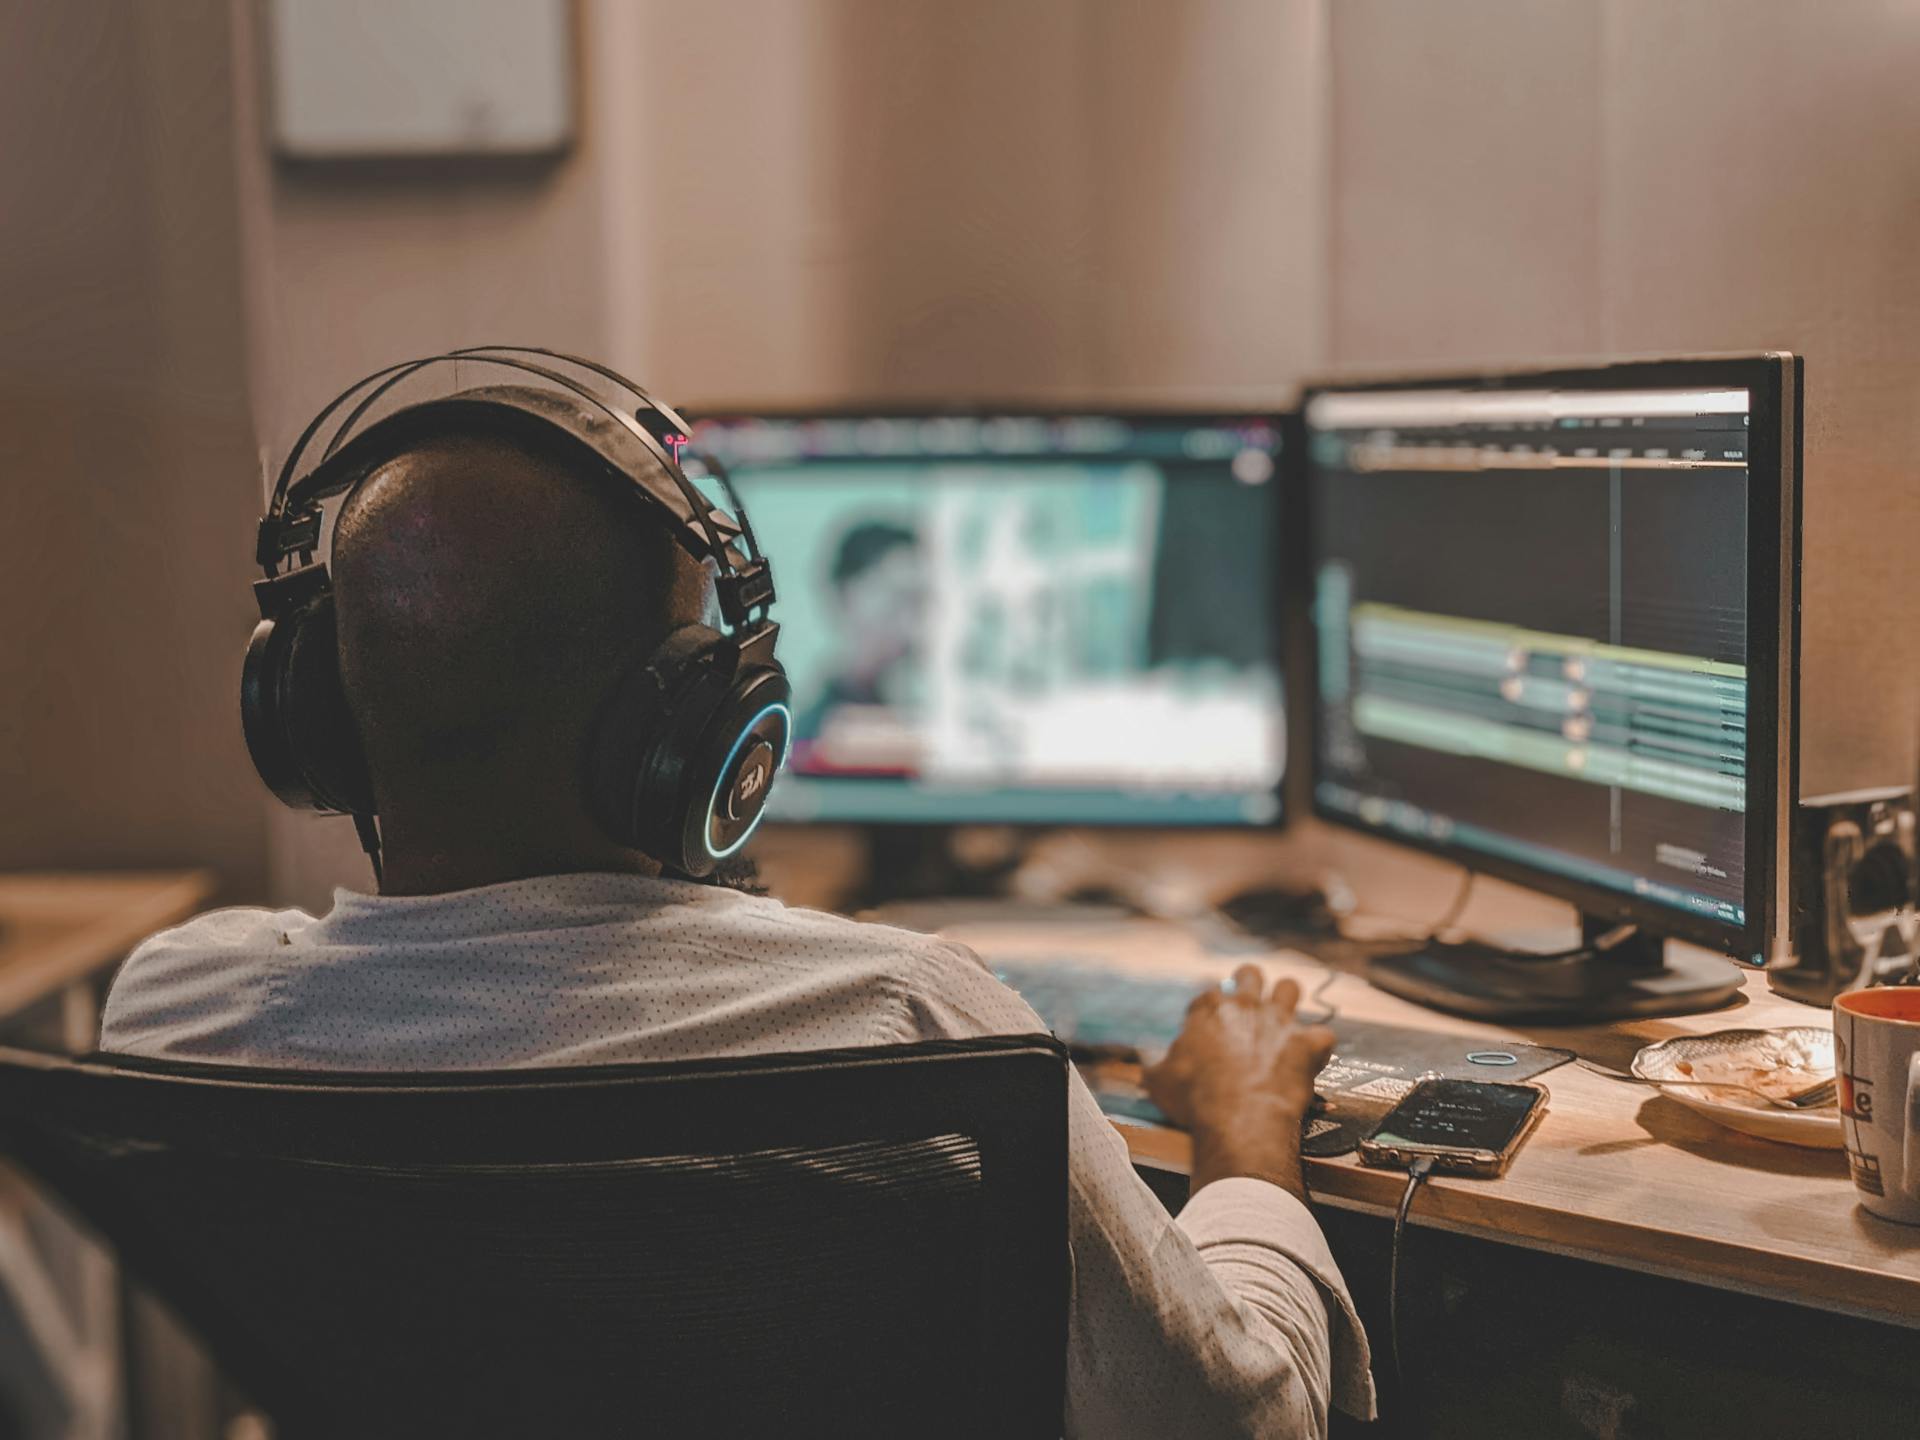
<point x="747" y="732"/>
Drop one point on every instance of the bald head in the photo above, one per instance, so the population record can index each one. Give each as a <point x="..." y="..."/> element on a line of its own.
<point x="489" y="596"/>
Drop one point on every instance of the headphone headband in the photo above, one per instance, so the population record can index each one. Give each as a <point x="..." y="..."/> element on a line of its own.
<point x="291" y="527"/>
<point x="504" y="355"/>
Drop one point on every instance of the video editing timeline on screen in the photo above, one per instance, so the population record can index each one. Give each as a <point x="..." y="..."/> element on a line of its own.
<point x="1046" y="619"/>
<point x="1531" y="617"/>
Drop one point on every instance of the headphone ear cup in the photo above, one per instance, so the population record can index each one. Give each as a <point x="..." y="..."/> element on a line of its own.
<point x="633" y="782"/>
<point x="325" y="735"/>
<point x="743" y="749"/>
<point x="299" y="729"/>
<point x="678" y="731"/>
<point x="263" y="689"/>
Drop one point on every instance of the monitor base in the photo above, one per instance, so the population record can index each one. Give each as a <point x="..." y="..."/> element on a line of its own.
<point x="919" y="862"/>
<point x="1638" y="978"/>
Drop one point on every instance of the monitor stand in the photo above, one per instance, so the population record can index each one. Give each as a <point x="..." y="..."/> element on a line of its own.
<point x="1636" y="978"/>
<point x="917" y="862"/>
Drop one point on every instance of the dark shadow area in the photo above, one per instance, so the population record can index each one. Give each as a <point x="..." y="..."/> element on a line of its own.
<point x="1671" y="1123"/>
<point x="1500" y="1341"/>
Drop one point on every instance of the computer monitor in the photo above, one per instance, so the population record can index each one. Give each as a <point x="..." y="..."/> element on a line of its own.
<point x="1030" y="619"/>
<point x="1555" y="618"/>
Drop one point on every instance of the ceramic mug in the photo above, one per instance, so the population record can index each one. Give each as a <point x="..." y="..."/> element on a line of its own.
<point x="1876" y="1059"/>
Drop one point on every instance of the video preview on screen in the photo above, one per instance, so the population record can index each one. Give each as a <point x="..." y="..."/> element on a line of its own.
<point x="1531" y="616"/>
<point x="1021" y="619"/>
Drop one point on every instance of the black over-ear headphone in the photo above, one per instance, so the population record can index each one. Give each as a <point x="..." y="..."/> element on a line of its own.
<point x="684" y="754"/>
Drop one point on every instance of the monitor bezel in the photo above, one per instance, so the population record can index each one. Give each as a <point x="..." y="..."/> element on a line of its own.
<point x="1774" y="382"/>
<point x="1281" y="644"/>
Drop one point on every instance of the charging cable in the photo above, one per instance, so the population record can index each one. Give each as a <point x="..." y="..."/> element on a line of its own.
<point x="1416" y="1172"/>
<point x="368" y="829"/>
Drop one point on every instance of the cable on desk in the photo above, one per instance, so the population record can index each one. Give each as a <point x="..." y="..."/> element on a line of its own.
<point x="1453" y="912"/>
<point x="1318" y="999"/>
<point x="1422" y="936"/>
<point x="1416" y="1172"/>
<point x="1585" y="950"/>
<point x="1327" y="1010"/>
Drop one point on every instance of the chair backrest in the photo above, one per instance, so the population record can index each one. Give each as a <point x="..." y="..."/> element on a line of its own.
<point x="850" y="1242"/>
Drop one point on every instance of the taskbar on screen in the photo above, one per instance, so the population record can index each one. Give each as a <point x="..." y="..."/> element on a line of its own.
<point x="1397" y="817"/>
<point x="804" y="799"/>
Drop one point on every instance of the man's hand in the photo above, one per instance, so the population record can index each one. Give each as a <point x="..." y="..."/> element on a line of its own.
<point x="1240" y="1079"/>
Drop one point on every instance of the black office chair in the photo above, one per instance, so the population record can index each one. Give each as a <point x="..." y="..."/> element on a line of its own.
<point x="848" y="1242"/>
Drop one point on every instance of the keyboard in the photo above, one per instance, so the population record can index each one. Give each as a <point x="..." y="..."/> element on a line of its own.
<point x="933" y="916"/>
<point x="1091" y="1006"/>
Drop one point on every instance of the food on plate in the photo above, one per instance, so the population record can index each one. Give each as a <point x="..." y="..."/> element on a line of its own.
<point x="1783" y="1063"/>
<point x="1777" y="1065"/>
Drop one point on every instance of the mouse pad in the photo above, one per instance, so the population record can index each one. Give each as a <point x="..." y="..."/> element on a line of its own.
<point x="1373" y="1066"/>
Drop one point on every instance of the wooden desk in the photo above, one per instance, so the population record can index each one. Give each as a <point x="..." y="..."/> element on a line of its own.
<point x="58" y="933"/>
<point x="57" y="930"/>
<point x="1616" y="1173"/>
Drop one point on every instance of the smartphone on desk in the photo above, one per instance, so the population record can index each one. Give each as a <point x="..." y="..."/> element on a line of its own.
<point x="1466" y="1127"/>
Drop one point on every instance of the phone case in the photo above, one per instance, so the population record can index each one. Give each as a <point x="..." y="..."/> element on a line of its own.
<point x="1483" y="1164"/>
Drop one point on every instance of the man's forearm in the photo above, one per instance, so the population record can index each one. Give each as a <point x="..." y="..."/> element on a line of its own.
<point x="1260" y="1141"/>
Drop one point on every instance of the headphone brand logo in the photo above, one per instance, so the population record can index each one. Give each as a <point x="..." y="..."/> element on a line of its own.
<point x="752" y="779"/>
<point x="678" y="442"/>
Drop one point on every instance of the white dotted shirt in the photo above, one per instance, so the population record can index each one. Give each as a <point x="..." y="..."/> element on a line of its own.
<point x="1232" y="1320"/>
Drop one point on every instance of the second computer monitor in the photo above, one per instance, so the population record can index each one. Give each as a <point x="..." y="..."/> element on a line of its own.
<point x="1555" y="624"/>
<point x="1048" y="619"/>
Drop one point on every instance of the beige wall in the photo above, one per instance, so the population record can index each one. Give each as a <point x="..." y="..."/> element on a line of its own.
<point x="127" y="463"/>
<point x="810" y="198"/>
<point x="890" y="198"/>
<point x="807" y="199"/>
<point x="1517" y="178"/>
<point x="844" y="198"/>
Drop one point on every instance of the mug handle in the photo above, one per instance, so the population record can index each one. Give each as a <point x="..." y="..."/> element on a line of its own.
<point x="1910" y="1143"/>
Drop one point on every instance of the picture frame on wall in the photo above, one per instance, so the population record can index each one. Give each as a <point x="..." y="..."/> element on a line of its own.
<point x="400" y="80"/>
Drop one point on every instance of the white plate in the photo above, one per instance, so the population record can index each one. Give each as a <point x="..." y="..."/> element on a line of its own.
<point x="1818" y="1129"/>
